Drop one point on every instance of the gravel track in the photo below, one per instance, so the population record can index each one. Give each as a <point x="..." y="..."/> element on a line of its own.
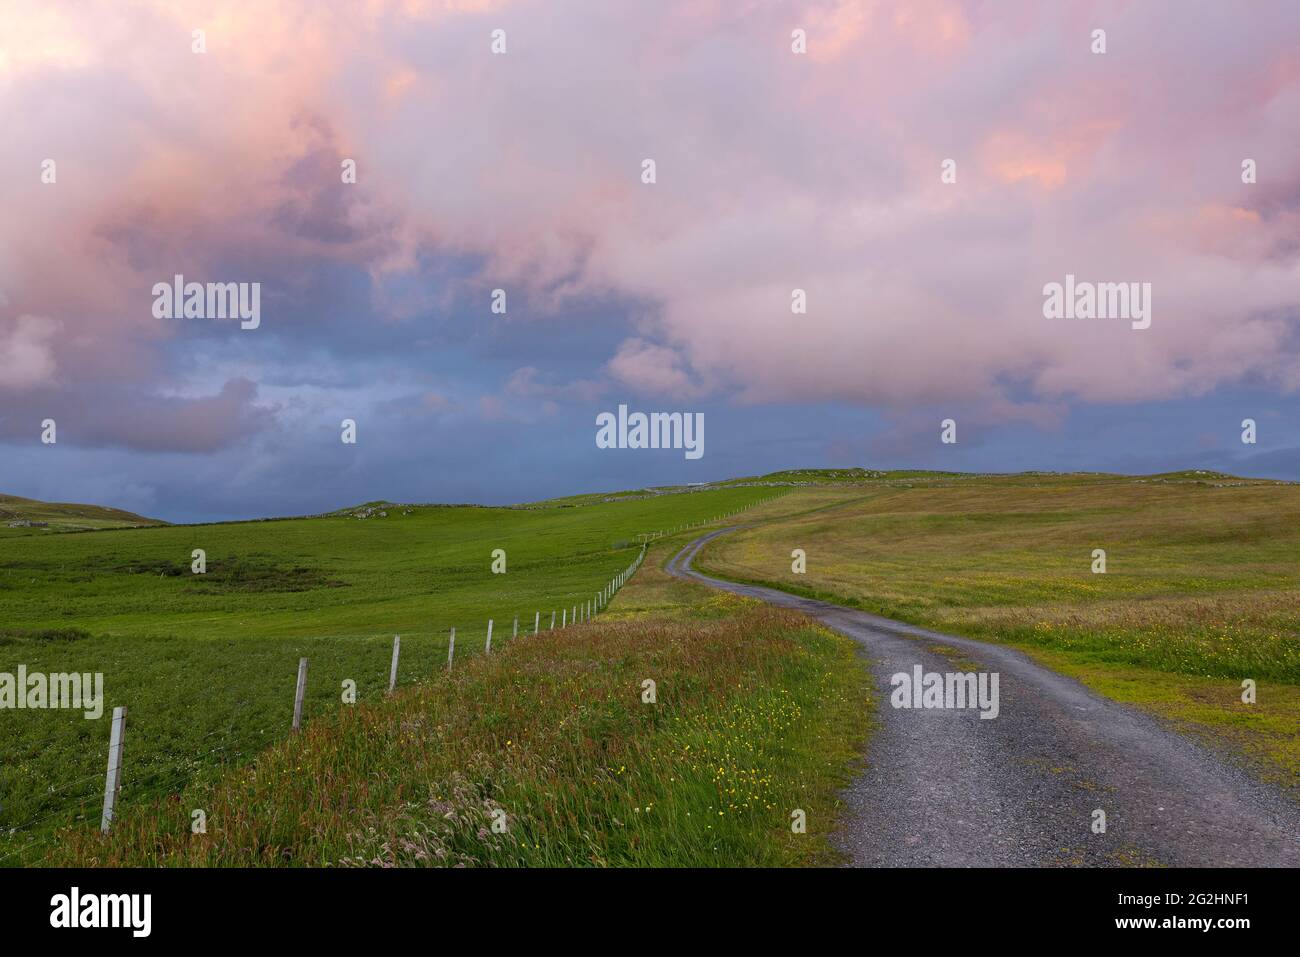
<point x="945" y="788"/>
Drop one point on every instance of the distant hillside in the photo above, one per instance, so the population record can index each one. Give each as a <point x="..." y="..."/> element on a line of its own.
<point x="45" y="517"/>
<point x="26" y="516"/>
<point x="795" y="478"/>
<point x="854" y="476"/>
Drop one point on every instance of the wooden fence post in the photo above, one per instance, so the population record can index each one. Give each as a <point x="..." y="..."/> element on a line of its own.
<point x="552" y="619"/>
<point x="113" y="780"/>
<point x="392" y="672"/>
<point x="451" y="649"/>
<point x="515" y="633"/>
<point x="298" y="694"/>
<point x="488" y="648"/>
<point x="537" y="623"/>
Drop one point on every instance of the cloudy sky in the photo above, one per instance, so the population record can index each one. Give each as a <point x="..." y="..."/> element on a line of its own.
<point x="523" y="171"/>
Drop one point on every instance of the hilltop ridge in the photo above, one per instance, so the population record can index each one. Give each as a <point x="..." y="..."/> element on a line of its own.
<point x="28" y="516"/>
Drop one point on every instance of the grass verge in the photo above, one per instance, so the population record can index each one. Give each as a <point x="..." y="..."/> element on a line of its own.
<point x="1200" y="592"/>
<point x="758" y="713"/>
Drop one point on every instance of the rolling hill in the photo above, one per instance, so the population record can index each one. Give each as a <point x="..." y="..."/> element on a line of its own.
<point x="1198" y="595"/>
<point x="26" y="516"/>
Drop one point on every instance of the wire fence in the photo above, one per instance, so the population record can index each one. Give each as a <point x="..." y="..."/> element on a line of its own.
<point x="98" y="795"/>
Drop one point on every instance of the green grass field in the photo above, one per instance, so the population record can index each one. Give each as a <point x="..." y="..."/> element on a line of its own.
<point x="20" y="517"/>
<point x="1201" y="589"/>
<point x="760" y="712"/>
<point x="206" y="664"/>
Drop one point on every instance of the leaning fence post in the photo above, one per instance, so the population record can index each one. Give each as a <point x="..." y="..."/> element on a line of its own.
<point x="113" y="780"/>
<point x="488" y="648"/>
<point x="537" y="623"/>
<point x="299" y="692"/>
<point x="392" y="672"/>
<point x="451" y="648"/>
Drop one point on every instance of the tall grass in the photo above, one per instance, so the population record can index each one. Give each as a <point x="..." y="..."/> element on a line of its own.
<point x="207" y="663"/>
<point x="1201" y="590"/>
<point x="1202" y="578"/>
<point x="758" y="714"/>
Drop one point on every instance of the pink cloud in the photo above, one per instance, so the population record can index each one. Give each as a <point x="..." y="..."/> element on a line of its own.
<point x="775" y="172"/>
<point x="27" y="352"/>
<point x="529" y="383"/>
<point x="650" y="369"/>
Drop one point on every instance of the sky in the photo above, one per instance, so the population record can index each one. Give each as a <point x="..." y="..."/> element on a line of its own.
<point x="921" y="170"/>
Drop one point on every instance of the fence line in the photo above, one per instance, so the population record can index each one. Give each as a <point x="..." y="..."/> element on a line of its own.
<point x="113" y="775"/>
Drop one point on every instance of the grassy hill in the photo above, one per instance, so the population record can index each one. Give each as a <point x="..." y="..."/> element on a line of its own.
<point x="1201" y="589"/>
<point x="758" y="714"/>
<point x="759" y="710"/>
<point x="26" y="516"/>
<point x="206" y="663"/>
